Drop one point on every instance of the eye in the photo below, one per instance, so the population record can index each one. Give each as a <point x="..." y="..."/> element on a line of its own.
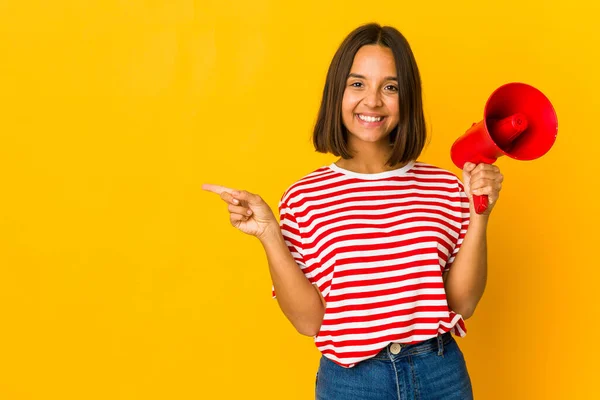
<point x="354" y="84"/>
<point x="392" y="88"/>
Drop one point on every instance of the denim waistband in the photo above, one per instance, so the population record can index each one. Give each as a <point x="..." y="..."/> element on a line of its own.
<point x="436" y="343"/>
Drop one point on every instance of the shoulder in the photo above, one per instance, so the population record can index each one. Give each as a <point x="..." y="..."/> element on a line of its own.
<point x="431" y="172"/>
<point x="305" y="184"/>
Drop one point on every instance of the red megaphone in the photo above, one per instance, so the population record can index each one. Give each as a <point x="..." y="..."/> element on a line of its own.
<point x="518" y="121"/>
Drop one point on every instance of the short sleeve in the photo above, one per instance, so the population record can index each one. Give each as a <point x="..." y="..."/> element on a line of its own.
<point x="292" y="236"/>
<point x="464" y="216"/>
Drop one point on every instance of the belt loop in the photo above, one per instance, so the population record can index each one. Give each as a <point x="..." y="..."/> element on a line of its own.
<point x="440" y="342"/>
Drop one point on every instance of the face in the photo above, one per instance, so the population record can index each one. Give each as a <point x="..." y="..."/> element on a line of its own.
<point x="370" y="106"/>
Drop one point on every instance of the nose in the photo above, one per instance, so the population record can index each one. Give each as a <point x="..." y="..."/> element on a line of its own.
<point x="373" y="98"/>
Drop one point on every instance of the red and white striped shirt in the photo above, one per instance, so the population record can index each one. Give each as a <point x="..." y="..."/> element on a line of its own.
<point x="376" y="246"/>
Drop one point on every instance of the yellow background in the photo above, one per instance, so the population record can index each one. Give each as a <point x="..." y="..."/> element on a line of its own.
<point x="121" y="279"/>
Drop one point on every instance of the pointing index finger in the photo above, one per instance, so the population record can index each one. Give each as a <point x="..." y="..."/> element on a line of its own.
<point x="217" y="189"/>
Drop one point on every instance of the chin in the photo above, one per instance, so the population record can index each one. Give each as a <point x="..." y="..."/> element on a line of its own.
<point x="371" y="138"/>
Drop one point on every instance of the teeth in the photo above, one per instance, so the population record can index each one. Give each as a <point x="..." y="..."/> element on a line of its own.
<point x="369" y="119"/>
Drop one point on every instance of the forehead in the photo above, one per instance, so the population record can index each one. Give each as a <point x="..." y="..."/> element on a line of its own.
<point x="374" y="60"/>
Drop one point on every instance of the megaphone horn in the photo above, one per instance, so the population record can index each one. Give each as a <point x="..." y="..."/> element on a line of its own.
<point x="518" y="121"/>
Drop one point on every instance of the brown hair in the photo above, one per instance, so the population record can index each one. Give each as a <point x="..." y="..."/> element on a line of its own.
<point x="408" y="137"/>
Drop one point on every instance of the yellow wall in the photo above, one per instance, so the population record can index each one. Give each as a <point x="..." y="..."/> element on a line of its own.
<point x="121" y="279"/>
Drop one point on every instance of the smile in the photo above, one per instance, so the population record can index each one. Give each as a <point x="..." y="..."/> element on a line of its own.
<point x="368" y="118"/>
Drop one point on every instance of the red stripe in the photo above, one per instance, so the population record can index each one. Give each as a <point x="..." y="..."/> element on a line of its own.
<point x="398" y="337"/>
<point x="383" y="281"/>
<point x="376" y="246"/>
<point x="381" y="316"/>
<point x="324" y="199"/>
<point x="378" y="328"/>
<point x="385" y="292"/>
<point x="400" y="231"/>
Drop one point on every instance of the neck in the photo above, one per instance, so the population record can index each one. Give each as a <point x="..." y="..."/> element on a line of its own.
<point x="369" y="158"/>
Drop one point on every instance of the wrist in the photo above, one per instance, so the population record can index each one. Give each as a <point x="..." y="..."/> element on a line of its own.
<point x="271" y="234"/>
<point x="478" y="219"/>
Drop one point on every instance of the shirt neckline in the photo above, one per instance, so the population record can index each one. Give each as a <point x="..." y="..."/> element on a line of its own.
<point x="378" y="175"/>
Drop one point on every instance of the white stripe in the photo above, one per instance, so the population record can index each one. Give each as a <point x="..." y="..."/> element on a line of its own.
<point x="344" y="184"/>
<point x="405" y="236"/>
<point x="381" y="310"/>
<point x="382" y="298"/>
<point x="366" y="242"/>
<point x="402" y="214"/>
<point x="382" y="275"/>
<point x="366" y="288"/>
<point x="434" y="264"/>
<point x="383" y="321"/>
<point x="326" y="178"/>
<point x="346" y="199"/>
<point x="287" y="234"/>
<point x="387" y="252"/>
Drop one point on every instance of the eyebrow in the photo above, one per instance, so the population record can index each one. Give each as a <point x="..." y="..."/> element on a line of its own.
<point x="387" y="78"/>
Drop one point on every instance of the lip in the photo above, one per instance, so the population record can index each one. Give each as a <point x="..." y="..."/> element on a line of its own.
<point x="370" y="124"/>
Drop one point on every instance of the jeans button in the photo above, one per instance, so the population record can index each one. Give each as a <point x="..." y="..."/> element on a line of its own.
<point x="395" y="348"/>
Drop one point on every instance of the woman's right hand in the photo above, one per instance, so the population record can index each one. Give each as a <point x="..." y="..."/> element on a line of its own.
<point x="247" y="211"/>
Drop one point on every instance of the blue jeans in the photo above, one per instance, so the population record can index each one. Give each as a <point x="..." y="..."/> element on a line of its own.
<point x="433" y="369"/>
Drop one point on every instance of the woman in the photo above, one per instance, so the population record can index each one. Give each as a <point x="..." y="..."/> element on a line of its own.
<point x="366" y="255"/>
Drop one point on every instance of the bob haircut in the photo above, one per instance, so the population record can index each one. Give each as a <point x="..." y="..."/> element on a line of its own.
<point x="409" y="136"/>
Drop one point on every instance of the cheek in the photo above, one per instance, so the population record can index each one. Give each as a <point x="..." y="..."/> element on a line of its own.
<point x="348" y="106"/>
<point x="394" y="110"/>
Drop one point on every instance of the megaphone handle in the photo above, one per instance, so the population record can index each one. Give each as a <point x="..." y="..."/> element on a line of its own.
<point x="480" y="203"/>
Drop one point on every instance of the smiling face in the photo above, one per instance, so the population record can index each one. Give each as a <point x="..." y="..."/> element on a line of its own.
<point x="370" y="106"/>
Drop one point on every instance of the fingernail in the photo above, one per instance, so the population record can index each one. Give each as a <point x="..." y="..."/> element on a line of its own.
<point x="236" y="201"/>
<point x="249" y="212"/>
<point x="235" y="193"/>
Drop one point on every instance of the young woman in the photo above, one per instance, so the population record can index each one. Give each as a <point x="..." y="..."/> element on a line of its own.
<point x="366" y="256"/>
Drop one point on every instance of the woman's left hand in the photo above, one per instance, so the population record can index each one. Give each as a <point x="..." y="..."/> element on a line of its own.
<point x="482" y="179"/>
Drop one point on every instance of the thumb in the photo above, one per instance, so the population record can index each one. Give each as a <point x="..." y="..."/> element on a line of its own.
<point x="469" y="167"/>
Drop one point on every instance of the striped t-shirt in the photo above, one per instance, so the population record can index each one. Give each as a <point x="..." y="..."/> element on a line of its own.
<point x="376" y="246"/>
